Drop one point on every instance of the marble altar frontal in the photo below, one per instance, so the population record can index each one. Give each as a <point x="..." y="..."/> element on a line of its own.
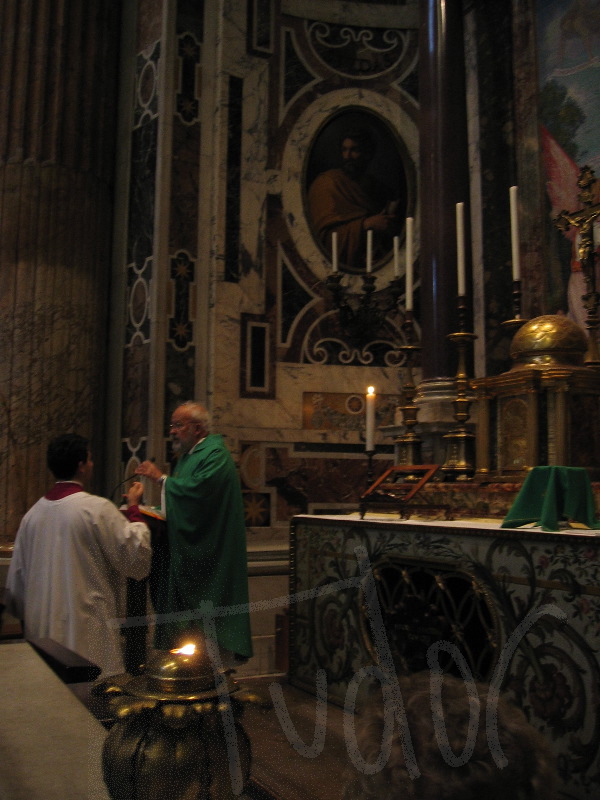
<point x="520" y="605"/>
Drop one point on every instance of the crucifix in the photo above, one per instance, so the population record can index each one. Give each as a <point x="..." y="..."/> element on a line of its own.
<point x="583" y="221"/>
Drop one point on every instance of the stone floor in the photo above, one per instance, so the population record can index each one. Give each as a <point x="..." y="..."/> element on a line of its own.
<point x="279" y="771"/>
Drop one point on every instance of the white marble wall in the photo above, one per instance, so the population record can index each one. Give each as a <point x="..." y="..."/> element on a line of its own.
<point x="278" y="419"/>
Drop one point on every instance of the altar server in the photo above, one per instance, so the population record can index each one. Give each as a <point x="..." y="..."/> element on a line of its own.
<point x="73" y="552"/>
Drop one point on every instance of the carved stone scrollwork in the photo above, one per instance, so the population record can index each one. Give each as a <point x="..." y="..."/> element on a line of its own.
<point x="326" y="343"/>
<point x="359" y="52"/>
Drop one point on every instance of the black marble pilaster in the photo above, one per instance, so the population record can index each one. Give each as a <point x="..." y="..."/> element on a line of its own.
<point x="444" y="177"/>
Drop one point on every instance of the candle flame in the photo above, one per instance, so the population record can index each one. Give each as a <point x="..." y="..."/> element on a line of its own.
<point x="186" y="650"/>
<point x="370" y="390"/>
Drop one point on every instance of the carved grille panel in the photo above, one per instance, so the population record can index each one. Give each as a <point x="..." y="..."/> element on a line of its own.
<point x="423" y="603"/>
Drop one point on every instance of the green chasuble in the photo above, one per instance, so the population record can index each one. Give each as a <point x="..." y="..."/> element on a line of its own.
<point x="207" y="549"/>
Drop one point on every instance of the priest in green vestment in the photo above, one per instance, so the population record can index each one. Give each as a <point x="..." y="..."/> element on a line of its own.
<point x="207" y="566"/>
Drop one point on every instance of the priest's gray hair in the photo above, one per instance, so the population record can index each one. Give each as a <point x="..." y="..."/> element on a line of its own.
<point x="197" y="413"/>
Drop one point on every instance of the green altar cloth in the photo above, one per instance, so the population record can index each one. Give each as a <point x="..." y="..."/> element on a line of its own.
<point x="550" y="495"/>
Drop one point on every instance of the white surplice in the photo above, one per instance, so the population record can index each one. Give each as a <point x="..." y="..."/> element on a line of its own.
<point x="66" y="578"/>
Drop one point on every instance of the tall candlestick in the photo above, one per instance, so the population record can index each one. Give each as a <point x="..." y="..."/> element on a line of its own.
<point x="370" y="419"/>
<point x="334" y="251"/>
<point x="460" y="248"/>
<point x="396" y="256"/>
<point x="514" y="234"/>
<point x="409" y="263"/>
<point x="369" y="250"/>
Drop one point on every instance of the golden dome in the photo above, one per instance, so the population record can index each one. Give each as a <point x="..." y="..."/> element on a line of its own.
<point x="549" y="341"/>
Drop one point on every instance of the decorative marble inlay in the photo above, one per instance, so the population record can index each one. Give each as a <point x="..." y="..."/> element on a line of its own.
<point x="134" y="419"/>
<point x="260" y="27"/>
<point x="140" y="229"/>
<point x="187" y="96"/>
<point x="179" y="377"/>
<point x="181" y="327"/>
<point x="296" y="74"/>
<point x="257" y="509"/>
<point x="138" y="302"/>
<point x="295" y="297"/>
<point x="256" y="368"/>
<point x="146" y="97"/>
<point x="358" y="52"/>
<point x="327" y="342"/>
<point x="344" y="412"/>
<point x="297" y="478"/>
<point x="234" y="179"/>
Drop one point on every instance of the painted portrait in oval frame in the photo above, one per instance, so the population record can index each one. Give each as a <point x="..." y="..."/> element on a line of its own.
<point x="356" y="178"/>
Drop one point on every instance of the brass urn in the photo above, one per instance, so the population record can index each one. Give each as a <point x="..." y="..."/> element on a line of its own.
<point x="178" y="732"/>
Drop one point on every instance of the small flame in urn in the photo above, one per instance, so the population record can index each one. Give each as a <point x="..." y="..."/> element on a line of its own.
<point x="186" y="650"/>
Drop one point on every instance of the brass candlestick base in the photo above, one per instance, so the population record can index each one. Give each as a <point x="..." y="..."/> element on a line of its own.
<point x="459" y="462"/>
<point x="408" y="443"/>
<point x="513" y="325"/>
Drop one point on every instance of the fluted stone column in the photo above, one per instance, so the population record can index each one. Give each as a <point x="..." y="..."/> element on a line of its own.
<point x="58" y="93"/>
<point x="444" y="179"/>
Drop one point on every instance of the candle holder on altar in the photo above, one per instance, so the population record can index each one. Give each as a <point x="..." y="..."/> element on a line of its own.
<point x="360" y="314"/>
<point x="178" y="732"/>
<point x="459" y="461"/>
<point x="513" y="325"/>
<point x="409" y="443"/>
<point x="370" y="472"/>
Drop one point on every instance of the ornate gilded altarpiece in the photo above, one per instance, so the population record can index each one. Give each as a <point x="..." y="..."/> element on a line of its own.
<point x="531" y="417"/>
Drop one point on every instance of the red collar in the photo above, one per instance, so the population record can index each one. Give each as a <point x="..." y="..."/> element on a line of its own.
<point x="63" y="489"/>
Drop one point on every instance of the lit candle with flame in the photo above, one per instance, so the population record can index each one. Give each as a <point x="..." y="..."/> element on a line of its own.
<point x="370" y="419"/>
<point x="186" y="650"/>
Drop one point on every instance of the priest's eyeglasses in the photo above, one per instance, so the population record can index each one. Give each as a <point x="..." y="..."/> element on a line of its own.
<point x="179" y="425"/>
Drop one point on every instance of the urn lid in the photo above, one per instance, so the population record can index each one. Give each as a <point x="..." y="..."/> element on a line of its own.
<point x="183" y="674"/>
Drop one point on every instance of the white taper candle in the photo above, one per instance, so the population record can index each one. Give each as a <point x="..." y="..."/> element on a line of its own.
<point x="334" y="251"/>
<point x="460" y="248"/>
<point x="370" y="419"/>
<point x="409" y="263"/>
<point x="514" y="233"/>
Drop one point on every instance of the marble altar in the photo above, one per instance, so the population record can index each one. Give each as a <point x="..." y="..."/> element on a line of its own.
<point x="521" y="605"/>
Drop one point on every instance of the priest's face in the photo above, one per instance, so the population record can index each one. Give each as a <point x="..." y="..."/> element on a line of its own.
<point x="185" y="432"/>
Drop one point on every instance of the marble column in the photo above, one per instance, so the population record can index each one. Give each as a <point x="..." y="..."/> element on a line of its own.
<point x="444" y="176"/>
<point x="58" y="103"/>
